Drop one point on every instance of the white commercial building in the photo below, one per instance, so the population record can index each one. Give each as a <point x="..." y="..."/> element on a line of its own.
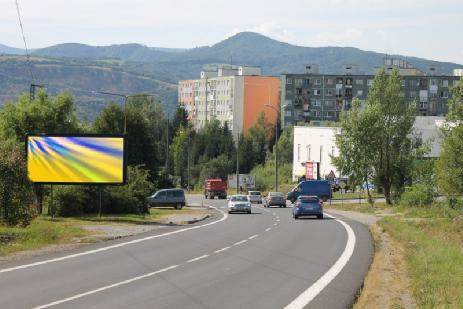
<point x="317" y="145"/>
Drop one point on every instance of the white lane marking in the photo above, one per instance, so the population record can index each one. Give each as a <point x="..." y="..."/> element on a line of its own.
<point x="308" y="295"/>
<point x="278" y="220"/>
<point x="67" y="257"/>
<point x="275" y="224"/>
<point x="253" y="236"/>
<point x="223" y="249"/>
<point x="268" y="229"/>
<point x="198" y="258"/>
<point x="58" y="302"/>
<point x="240" y="242"/>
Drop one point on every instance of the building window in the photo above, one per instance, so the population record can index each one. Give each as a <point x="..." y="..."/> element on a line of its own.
<point x="359" y="81"/>
<point x="329" y="92"/>
<point x="288" y="113"/>
<point x="289" y="81"/>
<point x="318" y="81"/>
<point x="339" y="81"/>
<point x="332" y="151"/>
<point x="329" y="81"/>
<point x="359" y="93"/>
<point x="306" y="82"/>
<point x="298" y="82"/>
<point x="329" y="103"/>
<point x="289" y="92"/>
<point x="445" y="83"/>
<point x="298" y="152"/>
<point x="308" y="152"/>
<point x="433" y="82"/>
<point x="402" y="82"/>
<point x="369" y="82"/>
<point x="317" y="103"/>
<point x="444" y="94"/>
<point x="423" y="105"/>
<point x="317" y="92"/>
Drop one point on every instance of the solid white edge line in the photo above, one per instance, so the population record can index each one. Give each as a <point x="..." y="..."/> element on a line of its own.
<point x="198" y="258"/>
<point x="240" y="242"/>
<point x="106" y="287"/>
<point x="308" y="295"/>
<point x="221" y="250"/>
<point x="268" y="229"/>
<point x="67" y="257"/>
<point x="252" y="237"/>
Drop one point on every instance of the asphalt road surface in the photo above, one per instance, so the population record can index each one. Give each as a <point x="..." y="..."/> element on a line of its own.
<point x="263" y="260"/>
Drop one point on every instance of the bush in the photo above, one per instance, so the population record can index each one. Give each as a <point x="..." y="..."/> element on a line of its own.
<point x="417" y="195"/>
<point x="68" y="201"/>
<point x="15" y="189"/>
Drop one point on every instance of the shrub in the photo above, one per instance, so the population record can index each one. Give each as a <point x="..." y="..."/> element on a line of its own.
<point x="15" y="188"/>
<point x="417" y="195"/>
<point x="68" y="200"/>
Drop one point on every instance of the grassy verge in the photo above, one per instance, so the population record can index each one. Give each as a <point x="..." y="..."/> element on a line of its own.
<point x="355" y="195"/>
<point x="432" y="238"/>
<point x="43" y="231"/>
<point x="434" y="256"/>
<point x="363" y="207"/>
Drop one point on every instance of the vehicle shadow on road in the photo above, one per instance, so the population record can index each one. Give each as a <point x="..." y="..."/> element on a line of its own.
<point x="314" y="218"/>
<point x="244" y="213"/>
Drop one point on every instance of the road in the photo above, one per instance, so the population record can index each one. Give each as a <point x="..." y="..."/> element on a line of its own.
<point x="262" y="260"/>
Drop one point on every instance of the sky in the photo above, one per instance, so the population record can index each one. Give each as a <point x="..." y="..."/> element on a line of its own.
<point x="430" y="29"/>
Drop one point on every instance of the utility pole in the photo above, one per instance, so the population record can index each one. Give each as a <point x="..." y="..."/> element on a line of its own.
<point x="32" y="90"/>
<point x="206" y="100"/>
<point x="238" y="191"/>
<point x="38" y="189"/>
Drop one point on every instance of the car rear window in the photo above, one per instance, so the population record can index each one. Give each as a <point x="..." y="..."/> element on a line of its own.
<point x="254" y="193"/>
<point x="308" y="199"/>
<point x="239" y="199"/>
<point x="278" y="194"/>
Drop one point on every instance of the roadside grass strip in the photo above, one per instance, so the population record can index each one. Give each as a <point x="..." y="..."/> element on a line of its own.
<point x="434" y="256"/>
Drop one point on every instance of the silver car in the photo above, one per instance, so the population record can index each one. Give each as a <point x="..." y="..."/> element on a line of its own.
<point x="275" y="199"/>
<point x="255" y="197"/>
<point x="239" y="203"/>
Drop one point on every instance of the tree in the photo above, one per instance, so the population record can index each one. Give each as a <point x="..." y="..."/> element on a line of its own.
<point x="260" y="135"/>
<point x="449" y="165"/>
<point x="378" y="139"/>
<point x="356" y="155"/>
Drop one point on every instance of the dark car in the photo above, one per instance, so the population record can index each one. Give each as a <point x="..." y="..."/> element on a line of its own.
<point x="320" y="188"/>
<point x="308" y="206"/>
<point x="275" y="199"/>
<point x="167" y="198"/>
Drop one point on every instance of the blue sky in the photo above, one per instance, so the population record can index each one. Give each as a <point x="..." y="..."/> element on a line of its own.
<point x="429" y="29"/>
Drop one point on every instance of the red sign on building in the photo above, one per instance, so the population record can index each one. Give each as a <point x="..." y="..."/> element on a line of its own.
<point x="309" y="170"/>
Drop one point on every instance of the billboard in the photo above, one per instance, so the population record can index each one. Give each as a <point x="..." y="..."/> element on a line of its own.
<point x="76" y="159"/>
<point x="246" y="181"/>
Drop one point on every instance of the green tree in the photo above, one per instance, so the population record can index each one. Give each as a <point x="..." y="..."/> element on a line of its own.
<point x="260" y="135"/>
<point x="388" y="147"/>
<point x="449" y="165"/>
<point x="285" y="146"/>
<point x="356" y="153"/>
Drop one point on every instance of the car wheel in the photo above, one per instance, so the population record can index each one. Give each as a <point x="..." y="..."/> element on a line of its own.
<point x="320" y="216"/>
<point x="284" y="205"/>
<point x="178" y="206"/>
<point x="229" y="212"/>
<point x="296" y="217"/>
<point x="293" y="200"/>
<point x="249" y="212"/>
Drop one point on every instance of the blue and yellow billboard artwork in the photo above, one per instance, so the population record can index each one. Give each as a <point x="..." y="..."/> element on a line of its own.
<point x="79" y="159"/>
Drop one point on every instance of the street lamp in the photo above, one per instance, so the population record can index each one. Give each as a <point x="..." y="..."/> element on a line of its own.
<point x="276" y="144"/>
<point x="125" y="96"/>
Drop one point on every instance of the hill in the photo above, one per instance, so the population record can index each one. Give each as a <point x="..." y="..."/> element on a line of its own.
<point x="243" y="48"/>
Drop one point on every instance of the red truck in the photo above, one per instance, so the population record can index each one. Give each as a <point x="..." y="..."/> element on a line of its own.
<point x="215" y="187"/>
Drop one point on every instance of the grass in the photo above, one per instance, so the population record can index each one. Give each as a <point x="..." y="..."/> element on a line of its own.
<point x="44" y="231"/>
<point x="363" y="207"/>
<point x="434" y="253"/>
<point x="356" y="195"/>
<point x="41" y="232"/>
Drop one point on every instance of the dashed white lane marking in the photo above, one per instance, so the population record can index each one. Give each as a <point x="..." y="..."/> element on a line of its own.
<point x="268" y="229"/>
<point x="221" y="250"/>
<point x="198" y="258"/>
<point x="275" y="224"/>
<point x="106" y="287"/>
<point x="308" y="295"/>
<point x="278" y="220"/>
<point x="67" y="257"/>
<point x="252" y="237"/>
<point x="240" y="242"/>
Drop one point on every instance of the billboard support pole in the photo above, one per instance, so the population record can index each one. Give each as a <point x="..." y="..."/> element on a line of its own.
<point x="50" y="207"/>
<point x="99" y="208"/>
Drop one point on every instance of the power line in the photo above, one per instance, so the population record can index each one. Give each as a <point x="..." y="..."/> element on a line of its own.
<point x="25" y="43"/>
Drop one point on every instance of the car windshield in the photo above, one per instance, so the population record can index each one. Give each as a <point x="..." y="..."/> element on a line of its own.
<point x="309" y="199"/>
<point x="239" y="199"/>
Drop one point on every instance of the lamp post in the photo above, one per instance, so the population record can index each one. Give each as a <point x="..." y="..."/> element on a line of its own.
<point x="125" y="96"/>
<point x="276" y="145"/>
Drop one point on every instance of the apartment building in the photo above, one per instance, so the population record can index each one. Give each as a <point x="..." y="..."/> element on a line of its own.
<point x="314" y="97"/>
<point x="235" y="95"/>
